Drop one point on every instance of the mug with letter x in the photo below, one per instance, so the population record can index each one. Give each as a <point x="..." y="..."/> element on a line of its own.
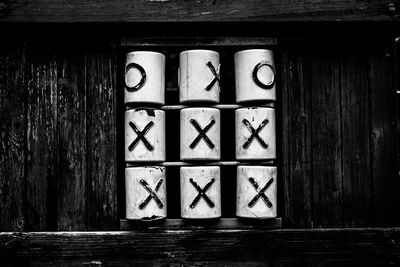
<point x="200" y="192"/>
<point x="200" y="134"/>
<point x="199" y="76"/>
<point x="146" y="193"/>
<point x="144" y="135"/>
<point x="256" y="192"/>
<point x="255" y="133"/>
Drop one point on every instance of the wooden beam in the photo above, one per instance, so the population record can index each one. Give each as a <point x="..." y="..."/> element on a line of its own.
<point x="181" y="224"/>
<point x="334" y="246"/>
<point x="199" y="41"/>
<point x="197" y="11"/>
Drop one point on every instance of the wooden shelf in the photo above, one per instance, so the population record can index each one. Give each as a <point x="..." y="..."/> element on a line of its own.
<point x="218" y="106"/>
<point x="182" y="224"/>
<point x="199" y="41"/>
<point x="228" y="247"/>
<point x="201" y="163"/>
<point x="168" y="12"/>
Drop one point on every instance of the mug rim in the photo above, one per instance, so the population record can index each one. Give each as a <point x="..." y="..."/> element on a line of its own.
<point x="253" y="50"/>
<point x="196" y="108"/>
<point x="145" y="52"/>
<point x="198" y="51"/>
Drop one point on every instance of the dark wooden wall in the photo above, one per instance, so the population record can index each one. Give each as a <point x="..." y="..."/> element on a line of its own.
<point x="60" y="160"/>
<point x="58" y="137"/>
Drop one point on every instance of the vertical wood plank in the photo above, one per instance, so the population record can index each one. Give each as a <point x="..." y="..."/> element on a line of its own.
<point x="71" y="180"/>
<point x="12" y="137"/>
<point x="101" y="140"/>
<point x="355" y="137"/>
<point x="42" y="138"/>
<point x="397" y="85"/>
<point x="296" y="136"/>
<point x="326" y="137"/>
<point x="385" y="176"/>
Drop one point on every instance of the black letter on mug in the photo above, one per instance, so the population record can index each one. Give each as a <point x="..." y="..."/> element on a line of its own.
<point x="142" y="81"/>
<point x="257" y="81"/>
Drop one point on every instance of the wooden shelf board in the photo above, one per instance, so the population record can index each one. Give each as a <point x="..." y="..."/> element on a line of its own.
<point x="218" y="106"/>
<point x="200" y="163"/>
<point x="198" y="41"/>
<point x="228" y="247"/>
<point x="182" y="224"/>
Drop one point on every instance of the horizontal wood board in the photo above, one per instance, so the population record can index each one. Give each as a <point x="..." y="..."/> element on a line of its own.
<point x="333" y="247"/>
<point x="198" y="11"/>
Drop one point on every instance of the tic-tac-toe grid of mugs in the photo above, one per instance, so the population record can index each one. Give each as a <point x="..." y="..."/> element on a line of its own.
<point x="200" y="134"/>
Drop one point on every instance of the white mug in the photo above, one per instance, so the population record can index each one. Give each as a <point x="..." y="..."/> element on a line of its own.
<point x="256" y="193"/>
<point x="145" y="77"/>
<point x="255" y="75"/>
<point x="146" y="193"/>
<point x="199" y="76"/>
<point x="200" y="130"/>
<point x="200" y="192"/>
<point x="144" y="135"/>
<point x="255" y="133"/>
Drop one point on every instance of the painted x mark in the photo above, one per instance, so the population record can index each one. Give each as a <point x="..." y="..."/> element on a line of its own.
<point x="202" y="134"/>
<point x="141" y="136"/>
<point x="260" y="192"/>
<point x="152" y="194"/>
<point x="202" y="193"/>
<point x="216" y="76"/>
<point x="255" y="133"/>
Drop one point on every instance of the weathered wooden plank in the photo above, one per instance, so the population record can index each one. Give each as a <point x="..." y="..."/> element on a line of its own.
<point x="193" y="11"/>
<point x="101" y="139"/>
<point x="326" y="136"/>
<point x="182" y="224"/>
<point x="72" y="176"/>
<point x="296" y="136"/>
<point x="336" y="247"/>
<point x="184" y="41"/>
<point x="397" y="85"/>
<point x="385" y="176"/>
<point x="355" y="127"/>
<point x="12" y="137"/>
<point x="42" y="150"/>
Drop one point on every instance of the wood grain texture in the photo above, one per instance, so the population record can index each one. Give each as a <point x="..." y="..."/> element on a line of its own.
<point x="42" y="139"/>
<point x="182" y="224"/>
<point x="397" y="86"/>
<point x="356" y="168"/>
<point x="101" y="139"/>
<point x="385" y="170"/>
<point x="296" y="136"/>
<point x="193" y="41"/>
<point x="335" y="247"/>
<point x="194" y="11"/>
<point x="326" y="137"/>
<point x="12" y="137"/>
<point x="72" y="150"/>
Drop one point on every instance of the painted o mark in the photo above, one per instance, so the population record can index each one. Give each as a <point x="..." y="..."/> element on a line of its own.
<point x="255" y="75"/>
<point x="142" y="80"/>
